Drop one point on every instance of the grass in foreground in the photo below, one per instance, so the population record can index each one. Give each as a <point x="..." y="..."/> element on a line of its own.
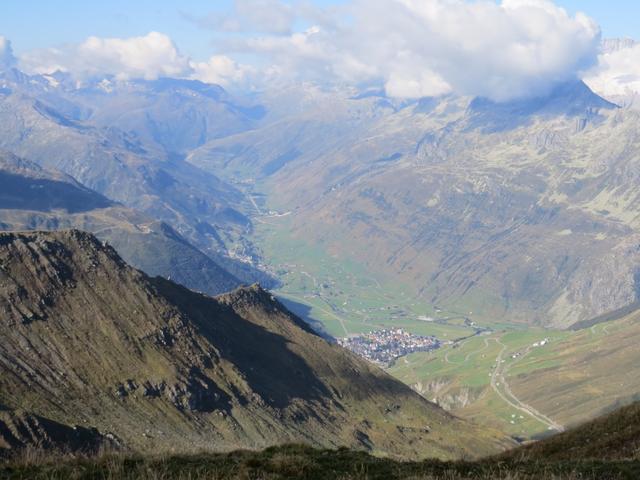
<point x="301" y="462"/>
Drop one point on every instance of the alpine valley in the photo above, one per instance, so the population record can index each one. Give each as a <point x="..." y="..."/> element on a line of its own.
<point x="177" y="263"/>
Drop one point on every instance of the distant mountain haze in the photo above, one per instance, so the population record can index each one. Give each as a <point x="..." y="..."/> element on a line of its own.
<point x="522" y="210"/>
<point x="38" y="199"/>
<point x="507" y="207"/>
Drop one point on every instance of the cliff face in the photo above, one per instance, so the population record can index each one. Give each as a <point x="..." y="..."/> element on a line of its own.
<point x="90" y="341"/>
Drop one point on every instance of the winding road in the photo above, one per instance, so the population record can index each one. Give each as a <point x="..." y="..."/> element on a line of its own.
<point x="486" y="345"/>
<point x="497" y="378"/>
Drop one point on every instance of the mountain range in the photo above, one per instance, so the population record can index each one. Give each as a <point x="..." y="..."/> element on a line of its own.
<point x="523" y="211"/>
<point x="34" y="198"/>
<point x="50" y="121"/>
<point x="503" y="209"/>
<point x="516" y="213"/>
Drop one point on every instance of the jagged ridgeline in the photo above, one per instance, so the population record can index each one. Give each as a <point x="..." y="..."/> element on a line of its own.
<point x="89" y="341"/>
<point x="33" y="198"/>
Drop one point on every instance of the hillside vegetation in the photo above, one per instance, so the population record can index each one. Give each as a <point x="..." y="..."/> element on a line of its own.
<point x="299" y="462"/>
<point x="607" y="448"/>
<point x="155" y="367"/>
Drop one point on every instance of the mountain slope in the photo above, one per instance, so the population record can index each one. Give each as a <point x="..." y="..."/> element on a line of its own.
<point x="32" y="198"/>
<point x="59" y="128"/>
<point x="503" y="210"/>
<point x="615" y="436"/>
<point x="594" y="371"/>
<point x="92" y="341"/>
<point x="175" y="115"/>
<point x="19" y="430"/>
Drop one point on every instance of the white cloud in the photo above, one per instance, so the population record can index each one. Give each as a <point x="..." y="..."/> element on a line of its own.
<point x="417" y="85"/>
<point x="413" y="48"/>
<point x="221" y="70"/>
<point x="427" y="47"/>
<point x="7" y="59"/>
<point x="618" y="71"/>
<point x="151" y="56"/>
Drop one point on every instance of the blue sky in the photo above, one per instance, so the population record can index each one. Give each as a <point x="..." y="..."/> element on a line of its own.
<point x="44" y="23"/>
<point x="421" y="48"/>
<point x="617" y="18"/>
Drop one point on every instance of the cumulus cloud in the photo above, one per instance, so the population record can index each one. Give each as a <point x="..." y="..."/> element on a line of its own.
<point x="221" y="70"/>
<point x="148" y="57"/>
<point x="618" y="70"/>
<point x="151" y="56"/>
<point x="429" y="47"/>
<point x="7" y="60"/>
<point x="413" y="48"/>
<point x="514" y="49"/>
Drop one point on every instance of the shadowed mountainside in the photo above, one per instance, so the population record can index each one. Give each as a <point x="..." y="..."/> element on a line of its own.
<point x="91" y="341"/>
<point x="32" y="198"/>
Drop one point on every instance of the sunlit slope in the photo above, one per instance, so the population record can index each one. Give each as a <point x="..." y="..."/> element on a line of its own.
<point x="517" y="212"/>
<point x="591" y="372"/>
<point x="341" y="296"/>
<point x="511" y="380"/>
<point x="615" y="436"/>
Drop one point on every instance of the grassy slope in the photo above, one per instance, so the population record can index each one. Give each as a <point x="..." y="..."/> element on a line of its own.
<point x="232" y="372"/>
<point x="593" y="371"/>
<point x="300" y="462"/>
<point x="577" y="376"/>
<point x="606" y="448"/>
<point x="343" y="295"/>
<point x="615" y="436"/>
<point x="344" y="298"/>
<point x="460" y="378"/>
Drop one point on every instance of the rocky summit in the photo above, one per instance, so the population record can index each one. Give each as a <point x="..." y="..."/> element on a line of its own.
<point x="144" y="363"/>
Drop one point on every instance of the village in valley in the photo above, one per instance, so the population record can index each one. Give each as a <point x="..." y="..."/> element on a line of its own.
<point x="384" y="346"/>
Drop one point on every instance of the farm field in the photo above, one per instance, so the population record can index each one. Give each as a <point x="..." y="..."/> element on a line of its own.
<point x="504" y="380"/>
<point x="342" y="296"/>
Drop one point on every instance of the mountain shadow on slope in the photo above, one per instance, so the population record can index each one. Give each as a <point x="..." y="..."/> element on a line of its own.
<point x="92" y="341"/>
<point x="47" y="195"/>
<point x="32" y="198"/>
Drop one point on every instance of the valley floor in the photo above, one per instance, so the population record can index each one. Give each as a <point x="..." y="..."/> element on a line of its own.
<point x="527" y="381"/>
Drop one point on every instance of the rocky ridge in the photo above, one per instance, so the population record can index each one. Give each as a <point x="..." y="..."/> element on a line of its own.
<point x="91" y="341"/>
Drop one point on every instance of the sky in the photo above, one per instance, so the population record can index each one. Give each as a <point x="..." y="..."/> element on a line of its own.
<point x="45" y="23"/>
<point x="501" y="49"/>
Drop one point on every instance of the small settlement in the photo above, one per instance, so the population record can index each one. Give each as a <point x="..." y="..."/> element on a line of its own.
<point x="383" y="347"/>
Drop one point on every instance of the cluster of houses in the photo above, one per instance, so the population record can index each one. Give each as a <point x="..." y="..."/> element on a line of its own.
<point x="383" y="347"/>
